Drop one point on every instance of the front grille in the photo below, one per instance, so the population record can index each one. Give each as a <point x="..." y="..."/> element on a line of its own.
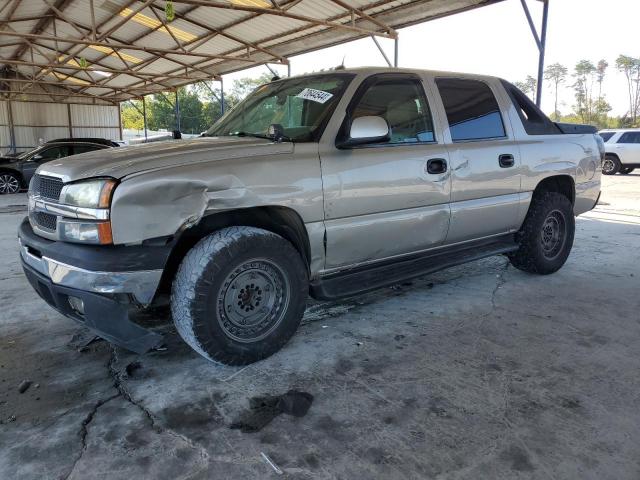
<point x="45" y="220"/>
<point x="47" y="187"/>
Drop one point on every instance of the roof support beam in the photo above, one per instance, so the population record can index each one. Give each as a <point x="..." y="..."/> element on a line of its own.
<point x="151" y="76"/>
<point x="541" y="42"/>
<point x="364" y="16"/>
<point x="40" y="27"/>
<point x="232" y="37"/>
<point x="381" y="50"/>
<point x="52" y="94"/>
<point x="286" y="14"/>
<point x="113" y="45"/>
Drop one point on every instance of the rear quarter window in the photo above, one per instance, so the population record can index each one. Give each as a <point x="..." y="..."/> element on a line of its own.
<point x="472" y="109"/>
<point x="606" y="136"/>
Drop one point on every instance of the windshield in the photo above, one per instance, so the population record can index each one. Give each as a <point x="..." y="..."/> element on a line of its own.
<point x="26" y="155"/>
<point x="300" y="106"/>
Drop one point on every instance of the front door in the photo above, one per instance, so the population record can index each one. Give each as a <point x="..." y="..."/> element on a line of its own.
<point x="381" y="200"/>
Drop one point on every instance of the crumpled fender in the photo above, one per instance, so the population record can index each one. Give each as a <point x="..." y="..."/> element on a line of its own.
<point x="166" y="201"/>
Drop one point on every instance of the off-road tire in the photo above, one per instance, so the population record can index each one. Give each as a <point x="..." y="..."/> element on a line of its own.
<point x="211" y="274"/>
<point x="626" y="170"/>
<point x="538" y="253"/>
<point x="611" y="165"/>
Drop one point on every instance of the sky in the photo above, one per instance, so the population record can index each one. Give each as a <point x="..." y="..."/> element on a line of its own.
<point x="496" y="40"/>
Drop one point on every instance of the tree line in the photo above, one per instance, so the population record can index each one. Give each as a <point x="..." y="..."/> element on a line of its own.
<point x="199" y="105"/>
<point x="590" y="101"/>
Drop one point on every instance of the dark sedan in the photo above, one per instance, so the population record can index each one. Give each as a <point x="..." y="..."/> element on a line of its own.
<point x="16" y="172"/>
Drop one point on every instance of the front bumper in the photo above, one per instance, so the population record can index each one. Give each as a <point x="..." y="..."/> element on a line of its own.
<point x="59" y="271"/>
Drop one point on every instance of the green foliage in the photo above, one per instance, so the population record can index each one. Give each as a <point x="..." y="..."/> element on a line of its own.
<point x="200" y="106"/>
<point x="556" y="73"/>
<point x="583" y="73"/>
<point x="630" y="66"/>
<point x="169" y="12"/>
<point x="244" y="86"/>
<point x="82" y="62"/>
<point x="131" y="117"/>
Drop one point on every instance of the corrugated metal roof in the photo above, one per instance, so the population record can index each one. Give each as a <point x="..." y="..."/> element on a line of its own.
<point x="127" y="48"/>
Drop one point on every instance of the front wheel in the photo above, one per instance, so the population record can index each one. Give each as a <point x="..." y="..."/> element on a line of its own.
<point x="239" y="295"/>
<point x="9" y="183"/>
<point x="611" y="165"/>
<point x="546" y="236"/>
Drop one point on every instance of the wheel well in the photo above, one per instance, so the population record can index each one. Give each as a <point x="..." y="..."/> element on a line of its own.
<point x="612" y="155"/>
<point x="14" y="172"/>
<point x="280" y="220"/>
<point x="562" y="184"/>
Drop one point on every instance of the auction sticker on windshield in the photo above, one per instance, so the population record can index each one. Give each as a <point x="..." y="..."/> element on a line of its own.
<point x="314" y="95"/>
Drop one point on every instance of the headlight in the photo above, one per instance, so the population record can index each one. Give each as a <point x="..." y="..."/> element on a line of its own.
<point x="88" y="194"/>
<point x="85" y="232"/>
<point x="94" y="196"/>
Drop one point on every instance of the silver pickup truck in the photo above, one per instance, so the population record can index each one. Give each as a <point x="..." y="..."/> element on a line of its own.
<point x="328" y="185"/>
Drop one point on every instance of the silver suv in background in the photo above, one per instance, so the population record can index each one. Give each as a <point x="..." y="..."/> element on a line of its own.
<point x="622" y="150"/>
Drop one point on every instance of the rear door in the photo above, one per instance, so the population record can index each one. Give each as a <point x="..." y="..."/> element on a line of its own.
<point x="485" y="160"/>
<point x="381" y="200"/>
<point x="628" y="147"/>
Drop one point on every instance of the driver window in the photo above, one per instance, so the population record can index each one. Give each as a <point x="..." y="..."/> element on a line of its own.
<point x="402" y="103"/>
<point x="53" y="153"/>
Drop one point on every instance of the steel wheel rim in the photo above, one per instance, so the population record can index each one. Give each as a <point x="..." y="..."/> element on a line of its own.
<point x="553" y="234"/>
<point x="253" y="300"/>
<point x="608" y="165"/>
<point x="9" y="184"/>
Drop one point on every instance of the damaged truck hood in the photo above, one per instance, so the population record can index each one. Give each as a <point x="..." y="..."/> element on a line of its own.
<point x="123" y="161"/>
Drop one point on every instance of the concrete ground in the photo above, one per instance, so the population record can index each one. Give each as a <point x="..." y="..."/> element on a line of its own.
<point x="477" y="372"/>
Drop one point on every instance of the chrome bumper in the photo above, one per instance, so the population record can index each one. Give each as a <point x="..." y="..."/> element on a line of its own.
<point x="141" y="284"/>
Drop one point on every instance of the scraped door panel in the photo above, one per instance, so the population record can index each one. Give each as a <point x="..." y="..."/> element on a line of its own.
<point x="485" y="197"/>
<point x="379" y="204"/>
<point x="380" y="200"/>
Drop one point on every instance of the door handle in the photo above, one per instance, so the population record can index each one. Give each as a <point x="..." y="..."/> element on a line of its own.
<point x="436" y="165"/>
<point x="506" y="160"/>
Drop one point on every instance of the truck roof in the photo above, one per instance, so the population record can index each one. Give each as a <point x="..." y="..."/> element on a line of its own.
<point x="374" y="70"/>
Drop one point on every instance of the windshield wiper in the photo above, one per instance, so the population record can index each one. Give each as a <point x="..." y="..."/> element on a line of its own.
<point x="276" y="138"/>
<point x="250" y="134"/>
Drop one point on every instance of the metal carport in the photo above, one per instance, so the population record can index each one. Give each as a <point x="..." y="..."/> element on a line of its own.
<point x="102" y="52"/>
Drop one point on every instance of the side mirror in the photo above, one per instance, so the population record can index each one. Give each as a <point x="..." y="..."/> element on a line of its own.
<point x="37" y="158"/>
<point x="368" y="129"/>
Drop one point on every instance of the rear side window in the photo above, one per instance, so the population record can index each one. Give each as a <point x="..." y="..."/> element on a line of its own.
<point x="472" y="109"/>
<point x="630" y="137"/>
<point x="606" y="136"/>
<point x="534" y="121"/>
<point x="77" y="149"/>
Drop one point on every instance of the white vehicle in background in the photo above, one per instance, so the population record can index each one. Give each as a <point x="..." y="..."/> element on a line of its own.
<point x="622" y="150"/>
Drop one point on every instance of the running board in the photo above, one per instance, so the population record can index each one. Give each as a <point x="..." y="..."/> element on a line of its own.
<point x="363" y="279"/>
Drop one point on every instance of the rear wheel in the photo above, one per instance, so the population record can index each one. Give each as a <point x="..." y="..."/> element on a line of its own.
<point x="9" y="183"/>
<point x="626" y="170"/>
<point x="239" y="295"/>
<point x="611" y="165"/>
<point x="546" y="236"/>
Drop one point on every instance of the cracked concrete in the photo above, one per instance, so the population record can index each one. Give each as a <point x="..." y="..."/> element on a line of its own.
<point x="480" y="371"/>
